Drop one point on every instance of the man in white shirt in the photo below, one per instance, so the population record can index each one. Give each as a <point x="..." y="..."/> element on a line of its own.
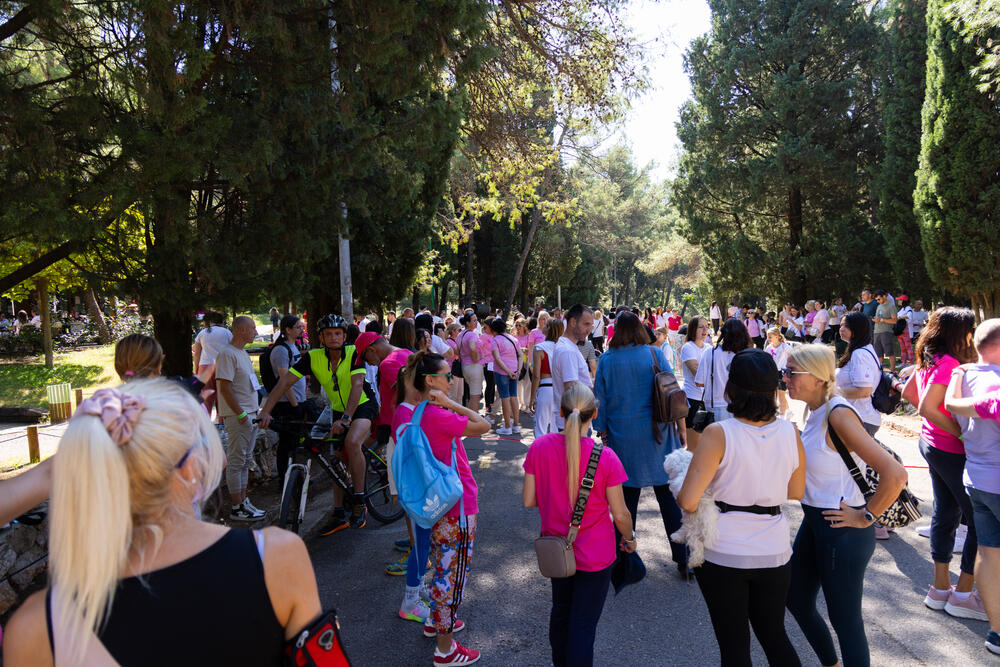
<point x="567" y="363"/>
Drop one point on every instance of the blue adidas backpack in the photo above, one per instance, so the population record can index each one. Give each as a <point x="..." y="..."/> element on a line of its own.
<point x="427" y="488"/>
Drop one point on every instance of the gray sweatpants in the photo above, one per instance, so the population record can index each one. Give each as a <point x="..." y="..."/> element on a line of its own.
<point x="241" y="441"/>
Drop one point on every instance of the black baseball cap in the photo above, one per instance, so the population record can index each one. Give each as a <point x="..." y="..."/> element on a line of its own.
<point x="754" y="370"/>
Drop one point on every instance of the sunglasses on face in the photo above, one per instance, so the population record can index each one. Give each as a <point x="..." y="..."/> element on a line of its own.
<point x="788" y="372"/>
<point x="439" y="375"/>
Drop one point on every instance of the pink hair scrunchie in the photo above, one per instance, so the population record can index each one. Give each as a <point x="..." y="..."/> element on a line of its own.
<point x="118" y="412"/>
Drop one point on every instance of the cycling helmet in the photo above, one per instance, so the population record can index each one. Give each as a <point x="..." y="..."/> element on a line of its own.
<point x="331" y="322"/>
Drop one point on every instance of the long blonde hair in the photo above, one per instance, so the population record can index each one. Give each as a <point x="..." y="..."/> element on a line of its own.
<point x="577" y="407"/>
<point x="104" y="496"/>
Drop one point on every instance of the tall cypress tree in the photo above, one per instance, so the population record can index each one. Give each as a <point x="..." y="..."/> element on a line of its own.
<point x="903" y="90"/>
<point x="772" y="181"/>
<point x="957" y="196"/>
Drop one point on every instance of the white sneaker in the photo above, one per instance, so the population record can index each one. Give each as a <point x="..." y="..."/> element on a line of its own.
<point x="254" y="512"/>
<point x="960" y="536"/>
<point x="515" y="430"/>
<point x="501" y="430"/>
<point x="417" y="611"/>
<point x="925" y="531"/>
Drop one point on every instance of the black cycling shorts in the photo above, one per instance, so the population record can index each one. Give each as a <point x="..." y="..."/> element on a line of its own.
<point x="367" y="410"/>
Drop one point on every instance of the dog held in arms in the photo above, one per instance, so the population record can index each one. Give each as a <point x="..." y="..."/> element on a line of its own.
<point x="698" y="529"/>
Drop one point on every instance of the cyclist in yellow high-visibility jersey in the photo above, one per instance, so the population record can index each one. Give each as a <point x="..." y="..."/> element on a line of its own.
<point x="341" y="373"/>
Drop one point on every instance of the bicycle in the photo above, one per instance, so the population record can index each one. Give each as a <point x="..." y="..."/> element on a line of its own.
<point x="295" y="489"/>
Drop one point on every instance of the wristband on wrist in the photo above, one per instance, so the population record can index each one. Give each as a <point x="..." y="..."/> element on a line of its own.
<point x="242" y="415"/>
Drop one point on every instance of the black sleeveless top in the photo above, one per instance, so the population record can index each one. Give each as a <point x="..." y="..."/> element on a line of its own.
<point x="211" y="609"/>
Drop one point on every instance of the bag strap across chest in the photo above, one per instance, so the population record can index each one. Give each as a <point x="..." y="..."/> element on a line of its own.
<point x="586" y="484"/>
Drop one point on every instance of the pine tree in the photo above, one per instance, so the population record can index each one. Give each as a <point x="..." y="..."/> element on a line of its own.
<point x="776" y="141"/>
<point x="957" y="196"/>
<point x="903" y="90"/>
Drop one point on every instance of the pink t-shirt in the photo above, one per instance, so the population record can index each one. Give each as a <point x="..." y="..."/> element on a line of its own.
<point x="507" y="346"/>
<point x="388" y="371"/>
<point x="988" y="405"/>
<point x="933" y="435"/>
<point x="674" y="323"/>
<point x="441" y="427"/>
<point x="536" y="336"/>
<point x="594" y="547"/>
<point x="524" y="341"/>
<point x="466" y="339"/>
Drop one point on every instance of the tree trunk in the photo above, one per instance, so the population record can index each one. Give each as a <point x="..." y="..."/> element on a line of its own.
<point x="798" y="291"/>
<point x="536" y="217"/>
<point x="416" y="299"/>
<point x="96" y="316"/>
<point x="666" y="296"/>
<point x="443" y="291"/>
<point x="172" y="328"/>
<point x="45" y="310"/>
<point x="470" y="291"/>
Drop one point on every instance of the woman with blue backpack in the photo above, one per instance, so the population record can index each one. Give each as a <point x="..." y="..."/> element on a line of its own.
<point x="443" y="422"/>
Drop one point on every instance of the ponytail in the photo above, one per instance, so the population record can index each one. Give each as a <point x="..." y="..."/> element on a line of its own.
<point x="577" y="407"/>
<point x="125" y="492"/>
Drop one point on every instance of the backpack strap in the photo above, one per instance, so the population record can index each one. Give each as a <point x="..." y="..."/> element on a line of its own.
<point x="586" y="484"/>
<point x="656" y="371"/>
<point x="849" y="461"/>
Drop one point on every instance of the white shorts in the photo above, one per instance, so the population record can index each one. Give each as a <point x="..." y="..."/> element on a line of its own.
<point x="389" y="446"/>
<point x="473" y="376"/>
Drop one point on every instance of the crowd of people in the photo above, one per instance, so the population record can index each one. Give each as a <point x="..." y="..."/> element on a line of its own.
<point x="141" y="458"/>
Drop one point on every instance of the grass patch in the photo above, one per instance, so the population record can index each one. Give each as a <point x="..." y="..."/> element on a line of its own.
<point x="23" y="382"/>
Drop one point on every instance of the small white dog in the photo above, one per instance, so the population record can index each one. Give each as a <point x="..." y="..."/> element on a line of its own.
<point x="699" y="529"/>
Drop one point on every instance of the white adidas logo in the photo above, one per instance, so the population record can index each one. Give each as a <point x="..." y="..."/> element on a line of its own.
<point x="432" y="504"/>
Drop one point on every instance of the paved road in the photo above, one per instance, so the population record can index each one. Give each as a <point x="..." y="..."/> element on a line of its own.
<point x="661" y="621"/>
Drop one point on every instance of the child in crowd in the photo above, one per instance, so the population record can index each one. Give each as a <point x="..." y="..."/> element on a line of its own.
<point x="778" y="349"/>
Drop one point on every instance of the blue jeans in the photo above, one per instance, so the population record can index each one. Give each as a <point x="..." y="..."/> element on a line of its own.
<point x="835" y="560"/>
<point x="506" y="385"/>
<point x="577" y="603"/>
<point x="951" y="503"/>
<point x="986" y="510"/>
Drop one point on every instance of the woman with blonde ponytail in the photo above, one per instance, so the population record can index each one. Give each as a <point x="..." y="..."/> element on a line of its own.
<point x="553" y="468"/>
<point x="128" y="553"/>
<point x="836" y="538"/>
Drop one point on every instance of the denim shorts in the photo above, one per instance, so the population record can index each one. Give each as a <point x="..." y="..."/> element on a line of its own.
<point x="986" y="514"/>
<point x="506" y="385"/>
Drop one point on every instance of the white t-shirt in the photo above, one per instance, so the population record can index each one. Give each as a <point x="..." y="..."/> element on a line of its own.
<point x="567" y="365"/>
<point x="690" y="352"/>
<point x="212" y="340"/>
<point x="918" y="320"/>
<point x="715" y="313"/>
<point x="905" y="313"/>
<point x="779" y="354"/>
<point x="836" y="312"/>
<point x="862" y="371"/>
<point x="820" y="321"/>
<point x="438" y="346"/>
<point x="714" y="388"/>
<point x="795" y="325"/>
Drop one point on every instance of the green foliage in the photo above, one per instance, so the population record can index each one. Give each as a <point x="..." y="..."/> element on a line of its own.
<point x="957" y="197"/>
<point x="979" y="22"/>
<point x="903" y="64"/>
<point x="23" y="384"/>
<point x="778" y="142"/>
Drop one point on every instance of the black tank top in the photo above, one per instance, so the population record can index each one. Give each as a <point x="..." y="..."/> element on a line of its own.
<point x="211" y="609"/>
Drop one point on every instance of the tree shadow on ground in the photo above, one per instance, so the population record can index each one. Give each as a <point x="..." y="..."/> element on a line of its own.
<point x="24" y="384"/>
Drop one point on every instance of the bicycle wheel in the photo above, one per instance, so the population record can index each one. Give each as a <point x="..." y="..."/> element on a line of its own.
<point x="378" y="498"/>
<point x="291" y="498"/>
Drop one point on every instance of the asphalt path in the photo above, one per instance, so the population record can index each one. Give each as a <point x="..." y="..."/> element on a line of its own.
<point x="660" y="621"/>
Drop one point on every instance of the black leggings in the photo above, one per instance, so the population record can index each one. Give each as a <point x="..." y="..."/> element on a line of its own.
<point x="735" y="596"/>
<point x="669" y="510"/>
<point x="834" y="559"/>
<point x="491" y="388"/>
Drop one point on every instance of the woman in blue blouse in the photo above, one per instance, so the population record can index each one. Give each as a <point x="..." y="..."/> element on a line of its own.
<point x="624" y="390"/>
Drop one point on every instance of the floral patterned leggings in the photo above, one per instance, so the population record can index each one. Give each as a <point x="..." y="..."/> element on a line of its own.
<point x="451" y="550"/>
